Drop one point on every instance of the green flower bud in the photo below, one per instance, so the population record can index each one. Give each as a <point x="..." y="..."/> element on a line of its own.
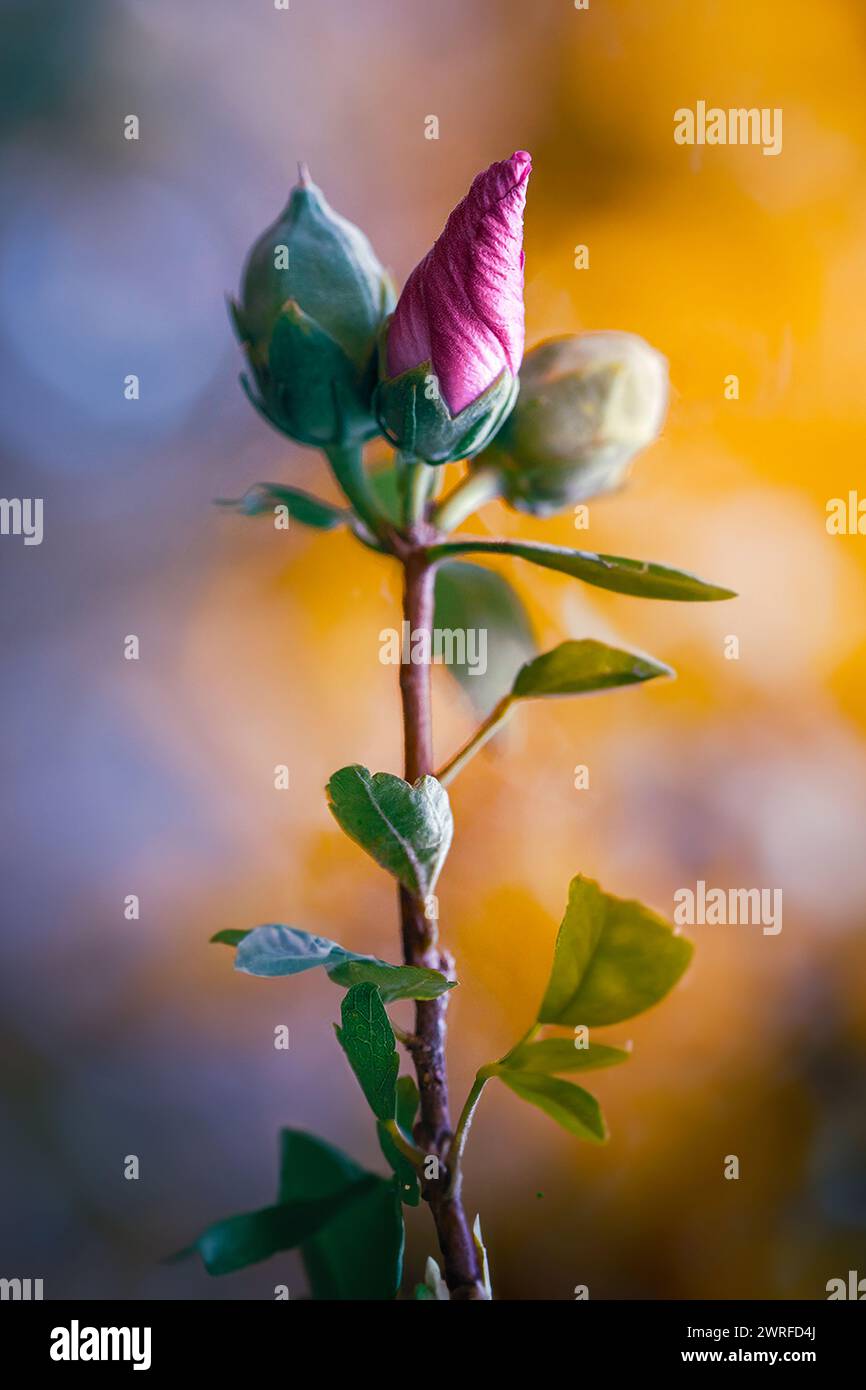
<point x="416" y="419"/>
<point x="587" y="405"/>
<point x="313" y="299"/>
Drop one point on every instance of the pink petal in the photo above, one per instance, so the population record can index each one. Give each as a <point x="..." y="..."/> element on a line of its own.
<point x="462" y="306"/>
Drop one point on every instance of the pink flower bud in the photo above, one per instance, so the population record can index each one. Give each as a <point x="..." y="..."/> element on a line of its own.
<point x="461" y="309"/>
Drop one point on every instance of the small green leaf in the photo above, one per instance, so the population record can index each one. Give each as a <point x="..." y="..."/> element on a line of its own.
<point x="623" y="576"/>
<point x="553" y="1055"/>
<point x="572" y="1107"/>
<point x="407" y="1106"/>
<point x="367" y="1039"/>
<point x="577" y="668"/>
<point x="358" y="1254"/>
<point x="470" y="598"/>
<point x="230" y="936"/>
<point x="301" y="506"/>
<point x="613" y="959"/>
<point x="406" y="829"/>
<point x="422" y="1292"/>
<point x="275" y="950"/>
<point x="393" y="981"/>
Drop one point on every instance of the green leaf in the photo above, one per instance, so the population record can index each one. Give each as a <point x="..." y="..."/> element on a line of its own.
<point x="301" y="506"/>
<point x="312" y="1168"/>
<point x="348" y="1222"/>
<point x="256" y="1235"/>
<point x="469" y="597"/>
<point x="392" y="981"/>
<point x="560" y="1054"/>
<point x="577" y="668"/>
<point x="636" y="577"/>
<point x="613" y="959"/>
<point x="572" y="1107"/>
<point x="358" y="1254"/>
<point x="406" y="829"/>
<point x="274" y="950"/>
<point x="422" y="1292"/>
<point x="407" y="1106"/>
<point x="367" y="1039"/>
<point x="230" y="936"/>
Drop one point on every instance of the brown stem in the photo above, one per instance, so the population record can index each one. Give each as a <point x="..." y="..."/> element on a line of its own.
<point x="420" y="947"/>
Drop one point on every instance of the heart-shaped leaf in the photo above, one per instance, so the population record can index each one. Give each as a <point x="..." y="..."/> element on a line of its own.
<point x="274" y="950"/>
<point x="636" y="577"/>
<point x="406" y="829"/>
<point x="613" y="959"/>
<point x="577" y="668"/>
<point x="300" y="506"/>
<point x="367" y="1039"/>
<point x="553" y="1055"/>
<point x="572" y="1107"/>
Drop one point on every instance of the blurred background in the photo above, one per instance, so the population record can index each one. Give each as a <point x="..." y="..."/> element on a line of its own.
<point x="261" y="647"/>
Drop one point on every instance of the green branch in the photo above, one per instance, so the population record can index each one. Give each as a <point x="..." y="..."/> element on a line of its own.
<point x="477" y="487"/>
<point x="347" y="462"/>
<point x="492" y="724"/>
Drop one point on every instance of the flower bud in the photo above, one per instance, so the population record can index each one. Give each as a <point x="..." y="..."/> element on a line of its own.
<point x="449" y="357"/>
<point x="587" y="405"/>
<point x="313" y="299"/>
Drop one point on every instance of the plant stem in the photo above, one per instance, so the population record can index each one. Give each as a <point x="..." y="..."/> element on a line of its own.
<point x="420" y="937"/>
<point x="464" y="1124"/>
<point x="347" y="462"/>
<point x="461" y="1133"/>
<point x="409" y="1152"/>
<point x="418" y="481"/>
<point x="476" y="487"/>
<point x="494" y="721"/>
